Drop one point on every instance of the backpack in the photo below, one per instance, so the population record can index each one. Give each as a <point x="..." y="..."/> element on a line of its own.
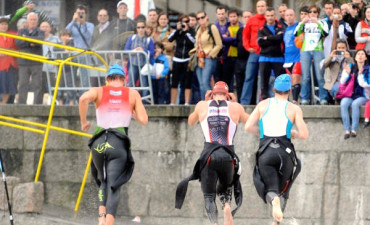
<point x="221" y="52"/>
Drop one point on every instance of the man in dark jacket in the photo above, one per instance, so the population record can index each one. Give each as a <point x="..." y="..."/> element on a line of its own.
<point x="270" y="39"/>
<point x="29" y="68"/>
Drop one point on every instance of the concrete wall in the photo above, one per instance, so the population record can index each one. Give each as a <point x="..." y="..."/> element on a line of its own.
<point x="332" y="188"/>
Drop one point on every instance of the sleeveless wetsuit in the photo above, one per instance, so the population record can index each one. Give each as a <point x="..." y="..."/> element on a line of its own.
<point x="109" y="152"/>
<point x="217" y="174"/>
<point x="275" y="163"/>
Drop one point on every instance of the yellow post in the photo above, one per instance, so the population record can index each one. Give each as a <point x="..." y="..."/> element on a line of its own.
<point x="83" y="183"/>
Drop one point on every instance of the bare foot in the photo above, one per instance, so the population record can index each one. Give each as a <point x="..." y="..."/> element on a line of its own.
<point x="228" y="217"/>
<point x="276" y="209"/>
<point x="101" y="220"/>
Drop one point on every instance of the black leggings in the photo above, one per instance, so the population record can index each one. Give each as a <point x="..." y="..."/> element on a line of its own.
<point x="274" y="177"/>
<point x="180" y="74"/>
<point x="216" y="178"/>
<point x="109" y="157"/>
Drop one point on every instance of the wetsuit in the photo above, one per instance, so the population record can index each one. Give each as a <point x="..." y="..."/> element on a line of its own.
<point x="112" y="160"/>
<point x="277" y="165"/>
<point x="218" y="164"/>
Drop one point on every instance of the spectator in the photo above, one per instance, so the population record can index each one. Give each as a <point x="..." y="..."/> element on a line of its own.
<point x="230" y="49"/>
<point x="67" y="78"/>
<point x="364" y="82"/>
<point x="81" y="32"/>
<point x="360" y="4"/>
<point x="207" y="49"/>
<point x="351" y="17"/>
<point x="222" y="25"/>
<point x="315" y="31"/>
<point x="292" y="54"/>
<point x="8" y="64"/>
<point x="333" y="66"/>
<point x="241" y="60"/>
<point x="47" y="51"/>
<point x="193" y="21"/>
<point x="102" y="34"/>
<point x="161" y="34"/>
<point x="184" y="37"/>
<point x="139" y="42"/>
<point x="139" y="7"/>
<point x="123" y="26"/>
<point x="149" y="30"/>
<point x="250" y="44"/>
<point x="153" y="18"/>
<point x="362" y="33"/>
<point x="338" y="29"/>
<point x="270" y="40"/>
<point x="328" y="8"/>
<point x="281" y="9"/>
<point x="161" y="69"/>
<point x="30" y="69"/>
<point x="358" y="97"/>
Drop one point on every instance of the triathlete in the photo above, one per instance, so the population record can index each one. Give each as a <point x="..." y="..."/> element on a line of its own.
<point x="112" y="160"/>
<point x="277" y="165"/>
<point x="218" y="165"/>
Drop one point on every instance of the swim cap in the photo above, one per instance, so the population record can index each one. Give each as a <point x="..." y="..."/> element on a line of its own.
<point x="220" y="87"/>
<point x="283" y="82"/>
<point x="116" y="69"/>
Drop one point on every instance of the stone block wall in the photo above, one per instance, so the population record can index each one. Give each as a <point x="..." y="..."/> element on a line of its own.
<point x="332" y="188"/>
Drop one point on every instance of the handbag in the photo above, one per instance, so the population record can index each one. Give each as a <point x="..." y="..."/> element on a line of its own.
<point x="346" y="90"/>
<point x="193" y="62"/>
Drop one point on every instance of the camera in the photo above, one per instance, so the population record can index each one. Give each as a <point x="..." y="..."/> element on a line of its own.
<point x="339" y="52"/>
<point x="81" y="15"/>
<point x="183" y="25"/>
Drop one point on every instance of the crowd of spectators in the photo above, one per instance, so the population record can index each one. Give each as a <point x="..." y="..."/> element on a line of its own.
<point x="246" y="51"/>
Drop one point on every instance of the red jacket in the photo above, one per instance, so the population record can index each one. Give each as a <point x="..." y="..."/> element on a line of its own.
<point x="7" y="61"/>
<point x="251" y="30"/>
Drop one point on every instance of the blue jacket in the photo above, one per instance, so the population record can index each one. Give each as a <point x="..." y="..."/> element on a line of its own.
<point x="148" y="48"/>
<point x="161" y="60"/>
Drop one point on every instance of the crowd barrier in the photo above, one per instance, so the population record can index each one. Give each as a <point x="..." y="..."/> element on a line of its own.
<point x="75" y="81"/>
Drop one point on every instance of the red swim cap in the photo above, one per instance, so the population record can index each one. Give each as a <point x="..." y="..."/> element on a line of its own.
<point x="220" y="87"/>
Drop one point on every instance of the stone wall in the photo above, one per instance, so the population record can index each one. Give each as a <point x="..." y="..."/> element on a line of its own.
<point x="332" y="188"/>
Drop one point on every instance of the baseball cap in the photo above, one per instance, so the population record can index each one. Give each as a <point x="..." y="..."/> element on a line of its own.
<point x="120" y="3"/>
<point x="116" y="69"/>
<point x="283" y="82"/>
<point x="220" y="87"/>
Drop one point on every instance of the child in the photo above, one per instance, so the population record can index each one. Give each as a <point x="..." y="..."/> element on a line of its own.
<point x="161" y="68"/>
<point x="68" y="71"/>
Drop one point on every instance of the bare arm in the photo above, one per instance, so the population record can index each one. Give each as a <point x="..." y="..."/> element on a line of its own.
<point x="243" y="115"/>
<point x="194" y="116"/>
<point x="87" y="97"/>
<point x="301" y="126"/>
<point x="251" y="125"/>
<point x="139" y="112"/>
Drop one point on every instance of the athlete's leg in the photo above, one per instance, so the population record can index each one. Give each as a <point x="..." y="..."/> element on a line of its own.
<point x="208" y="184"/>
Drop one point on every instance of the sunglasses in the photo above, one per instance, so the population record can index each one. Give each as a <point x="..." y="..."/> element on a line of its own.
<point x="186" y="21"/>
<point x="140" y="27"/>
<point x="202" y="17"/>
<point x="312" y="11"/>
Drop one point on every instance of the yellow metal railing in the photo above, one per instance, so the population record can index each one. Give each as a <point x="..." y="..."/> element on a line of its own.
<point x="47" y="127"/>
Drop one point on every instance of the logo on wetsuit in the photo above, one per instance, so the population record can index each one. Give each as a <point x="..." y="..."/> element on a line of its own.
<point x="100" y="148"/>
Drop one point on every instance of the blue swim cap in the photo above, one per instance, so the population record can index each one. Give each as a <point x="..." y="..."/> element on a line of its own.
<point x="283" y="82"/>
<point x="116" y="69"/>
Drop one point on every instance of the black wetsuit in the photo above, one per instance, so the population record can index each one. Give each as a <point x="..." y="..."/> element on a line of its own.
<point x="112" y="165"/>
<point x="218" y="164"/>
